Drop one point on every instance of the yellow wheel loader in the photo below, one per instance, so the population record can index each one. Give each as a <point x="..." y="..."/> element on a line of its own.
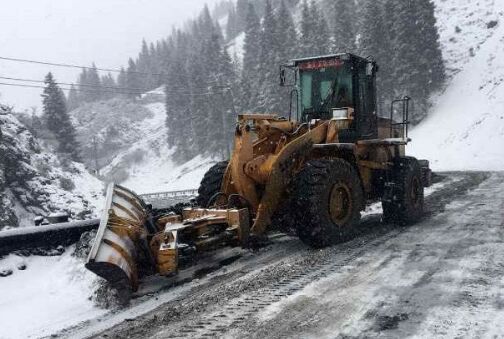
<point x="315" y="170"/>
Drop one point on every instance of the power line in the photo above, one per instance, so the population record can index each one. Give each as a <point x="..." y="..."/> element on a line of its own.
<point x="63" y="88"/>
<point x="141" y="90"/>
<point x="105" y="91"/>
<point x="74" y="66"/>
<point x="176" y="89"/>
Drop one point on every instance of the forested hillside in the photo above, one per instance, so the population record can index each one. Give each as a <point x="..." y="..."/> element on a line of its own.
<point x="206" y="87"/>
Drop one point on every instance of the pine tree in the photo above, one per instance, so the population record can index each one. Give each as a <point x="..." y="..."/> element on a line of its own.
<point x="251" y="53"/>
<point x="268" y="98"/>
<point x="385" y="58"/>
<point x="286" y="34"/>
<point x="432" y="59"/>
<point x="407" y="61"/>
<point x="93" y="88"/>
<point x="307" y="31"/>
<point x="73" y="99"/>
<point x="122" y="82"/>
<point x="82" y="83"/>
<point x="344" y="32"/>
<point x="320" y="35"/>
<point x="145" y="66"/>
<point x="109" y="86"/>
<point x="287" y="50"/>
<point x="132" y="80"/>
<point x="242" y="14"/>
<point x="232" y="29"/>
<point x="57" y="119"/>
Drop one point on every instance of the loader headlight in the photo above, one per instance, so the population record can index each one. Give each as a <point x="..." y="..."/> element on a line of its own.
<point x="340" y="113"/>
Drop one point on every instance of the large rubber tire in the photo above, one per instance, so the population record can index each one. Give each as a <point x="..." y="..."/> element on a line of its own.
<point x="211" y="183"/>
<point x="320" y="221"/>
<point x="404" y="204"/>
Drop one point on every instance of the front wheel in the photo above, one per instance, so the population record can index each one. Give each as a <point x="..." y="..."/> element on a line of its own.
<point x="211" y="183"/>
<point x="328" y="199"/>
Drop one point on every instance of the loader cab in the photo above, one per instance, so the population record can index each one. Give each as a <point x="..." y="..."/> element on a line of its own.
<point x="339" y="86"/>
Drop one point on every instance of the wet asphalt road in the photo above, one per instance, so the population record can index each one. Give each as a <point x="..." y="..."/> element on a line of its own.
<point x="443" y="277"/>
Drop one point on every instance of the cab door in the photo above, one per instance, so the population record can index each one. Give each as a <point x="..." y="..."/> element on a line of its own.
<point x="367" y="120"/>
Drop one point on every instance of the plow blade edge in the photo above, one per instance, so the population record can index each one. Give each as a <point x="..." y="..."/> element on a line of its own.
<point x="114" y="253"/>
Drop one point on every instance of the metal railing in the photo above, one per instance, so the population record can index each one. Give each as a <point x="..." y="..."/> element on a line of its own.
<point x="170" y="195"/>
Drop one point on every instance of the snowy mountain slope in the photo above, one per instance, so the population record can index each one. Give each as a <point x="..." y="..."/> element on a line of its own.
<point x="106" y="128"/>
<point x="36" y="182"/>
<point x="146" y="165"/>
<point x="465" y="128"/>
<point x="463" y="26"/>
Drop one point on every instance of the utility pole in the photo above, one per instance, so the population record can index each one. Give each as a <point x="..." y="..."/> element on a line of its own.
<point x="95" y="155"/>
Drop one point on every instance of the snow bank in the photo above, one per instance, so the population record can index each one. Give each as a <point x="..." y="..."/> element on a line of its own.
<point x="465" y="130"/>
<point x="49" y="295"/>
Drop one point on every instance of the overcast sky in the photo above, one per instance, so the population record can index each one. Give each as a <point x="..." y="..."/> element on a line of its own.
<point x="79" y="32"/>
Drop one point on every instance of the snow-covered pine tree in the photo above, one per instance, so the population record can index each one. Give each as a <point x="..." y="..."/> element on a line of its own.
<point x="321" y="37"/>
<point x="432" y="59"/>
<point x="268" y="63"/>
<point x="306" y="41"/>
<point x="122" y="82"/>
<point x="385" y="77"/>
<point x="73" y="99"/>
<point x="93" y="88"/>
<point x="228" y="81"/>
<point x="242" y="13"/>
<point x="249" y="88"/>
<point x="374" y="43"/>
<point x="287" y="50"/>
<point x="178" y="99"/>
<point x="132" y="79"/>
<point x="344" y="31"/>
<point x="109" y="86"/>
<point x="82" y="83"/>
<point x="232" y="29"/>
<point x="409" y="76"/>
<point x="57" y="120"/>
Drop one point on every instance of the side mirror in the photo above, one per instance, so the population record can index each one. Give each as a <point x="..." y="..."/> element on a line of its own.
<point x="369" y="69"/>
<point x="282" y="77"/>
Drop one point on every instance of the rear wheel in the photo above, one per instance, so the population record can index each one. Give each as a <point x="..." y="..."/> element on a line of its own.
<point x="211" y="183"/>
<point x="404" y="200"/>
<point x="328" y="199"/>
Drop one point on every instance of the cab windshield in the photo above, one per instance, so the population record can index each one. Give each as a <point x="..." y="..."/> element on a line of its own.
<point x="324" y="89"/>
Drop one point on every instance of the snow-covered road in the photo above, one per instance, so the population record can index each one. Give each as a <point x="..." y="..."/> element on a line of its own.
<point x="443" y="277"/>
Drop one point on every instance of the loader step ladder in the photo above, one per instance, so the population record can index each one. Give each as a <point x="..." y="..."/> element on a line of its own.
<point x="400" y="129"/>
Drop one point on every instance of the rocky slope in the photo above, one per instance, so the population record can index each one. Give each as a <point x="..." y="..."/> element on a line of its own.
<point x="36" y="182"/>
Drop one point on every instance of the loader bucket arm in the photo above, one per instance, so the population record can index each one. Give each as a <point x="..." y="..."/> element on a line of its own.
<point x="282" y="171"/>
<point x="121" y="231"/>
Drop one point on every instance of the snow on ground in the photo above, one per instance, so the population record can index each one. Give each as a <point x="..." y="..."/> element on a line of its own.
<point x="52" y="293"/>
<point x="465" y="129"/>
<point x="441" y="278"/>
<point x="161" y="174"/>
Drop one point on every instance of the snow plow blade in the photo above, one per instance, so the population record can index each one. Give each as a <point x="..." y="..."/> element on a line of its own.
<point x="114" y="252"/>
<point x="134" y="241"/>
